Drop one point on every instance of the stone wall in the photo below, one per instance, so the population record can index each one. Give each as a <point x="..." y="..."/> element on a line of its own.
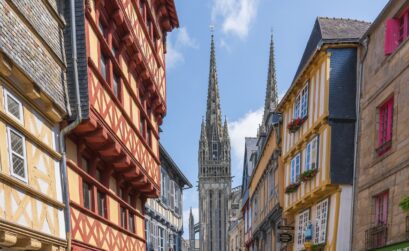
<point x="383" y="77"/>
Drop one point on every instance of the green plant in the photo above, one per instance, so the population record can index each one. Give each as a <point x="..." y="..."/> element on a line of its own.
<point x="318" y="247"/>
<point x="404" y="204"/>
<point x="308" y="175"/>
<point x="292" y="187"/>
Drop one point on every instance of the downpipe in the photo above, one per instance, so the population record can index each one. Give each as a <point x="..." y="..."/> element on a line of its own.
<point x="364" y="43"/>
<point x="69" y="128"/>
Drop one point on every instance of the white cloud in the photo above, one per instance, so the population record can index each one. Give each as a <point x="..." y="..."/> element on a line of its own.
<point x="173" y="55"/>
<point x="175" y="46"/>
<point x="237" y="15"/>
<point x="184" y="39"/>
<point x="245" y="126"/>
<point x="186" y="214"/>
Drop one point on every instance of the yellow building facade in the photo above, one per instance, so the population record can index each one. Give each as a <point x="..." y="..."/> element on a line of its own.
<point x="318" y="138"/>
<point x="32" y="107"/>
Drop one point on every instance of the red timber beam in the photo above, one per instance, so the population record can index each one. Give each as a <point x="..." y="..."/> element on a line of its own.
<point x="140" y="61"/>
<point x="95" y="137"/>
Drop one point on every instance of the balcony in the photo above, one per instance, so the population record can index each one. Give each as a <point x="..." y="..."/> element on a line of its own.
<point x="376" y="237"/>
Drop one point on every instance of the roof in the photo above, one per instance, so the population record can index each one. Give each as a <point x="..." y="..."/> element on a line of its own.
<point x="171" y="8"/>
<point x="164" y="154"/>
<point x="379" y="18"/>
<point x="329" y="31"/>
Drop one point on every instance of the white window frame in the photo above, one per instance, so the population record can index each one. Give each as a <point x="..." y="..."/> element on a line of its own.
<point x="312" y="146"/>
<point x="10" y="151"/>
<point x="295" y="168"/>
<point x="300" y="109"/>
<point x="161" y="239"/>
<point x="6" y="107"/>
<point x="302" y="221"/>
<point x="321" y="222"/>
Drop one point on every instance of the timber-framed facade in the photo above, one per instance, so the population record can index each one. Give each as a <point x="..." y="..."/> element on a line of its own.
<point x="113" y="154"/>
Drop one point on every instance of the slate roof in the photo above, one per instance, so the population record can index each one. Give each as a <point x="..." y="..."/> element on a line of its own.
<point x="249" y="148"/>
<point x="330" y="31"/>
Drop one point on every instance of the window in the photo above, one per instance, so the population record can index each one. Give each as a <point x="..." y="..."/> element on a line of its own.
<point x="102" y="205"/>
<point x="301" y="104"/>
<point x="177" y="199"/>
<point x="142" y="127"/>
<point x="396" y="31"/>
<point x="149" y="135"/>
<point x="215" y="150"/>
<point x="381" y="208"/>
<point x="154" y="235"/>
<point x="271" y="183"/>
<point x="142" y="7"/>
<point x="172" y="194"/>
<point x="13" y="106"/>
<point x="321" y="220"/>
<point x="103" y="66"/>
<point x="161" y="243"/>
<point x="17" y="154"/>
<point x="295" y="169"/>
<point x="385" y="125"/>
<point x="164" y="186"/>
<point x="116" y="87"/>
<point x="102" y="28"/>
<point x="311" y="154"/>
<point x="123" y="217"/>
<point x="131" y="219"/>
<point x="87" y="195"/>
<point x="302" y="223"/>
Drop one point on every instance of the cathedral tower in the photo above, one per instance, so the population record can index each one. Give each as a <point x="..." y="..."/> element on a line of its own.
<point x="214" y="169"/>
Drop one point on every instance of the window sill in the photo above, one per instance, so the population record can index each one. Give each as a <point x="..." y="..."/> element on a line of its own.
<point x="385" y="147"/>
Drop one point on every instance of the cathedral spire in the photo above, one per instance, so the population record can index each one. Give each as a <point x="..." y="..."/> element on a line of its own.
<point x="271" y="99"/>
<point x="213" y="113"/>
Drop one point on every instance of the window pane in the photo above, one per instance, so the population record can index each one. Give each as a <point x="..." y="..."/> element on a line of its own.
<point x="18" y="166"/>
<point x="13" y="107"/>
<point x="116" y="85"/>
<point x="101" y="204"/>
<point x="104" y="61"/>
<point x="16" y="143"/>
<point x="87" y="195"/>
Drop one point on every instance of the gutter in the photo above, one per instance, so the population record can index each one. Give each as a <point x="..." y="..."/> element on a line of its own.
<point x="69" y="128"/>
<point x="364" y="44"/>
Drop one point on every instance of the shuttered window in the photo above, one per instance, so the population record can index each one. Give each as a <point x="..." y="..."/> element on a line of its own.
<point x="396" y="31"/>
<point x="385" y="125"/>
<point x="381" y="208"/>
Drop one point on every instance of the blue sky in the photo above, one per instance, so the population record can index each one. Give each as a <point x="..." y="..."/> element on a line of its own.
<point x="242" y="34"/>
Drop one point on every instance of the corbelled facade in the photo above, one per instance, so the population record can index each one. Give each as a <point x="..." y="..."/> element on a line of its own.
<point x="214" y="169"/>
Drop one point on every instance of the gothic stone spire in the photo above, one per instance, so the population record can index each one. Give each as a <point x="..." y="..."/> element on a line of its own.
<point x="271" y="99"/>
<point x="213" y="113"/>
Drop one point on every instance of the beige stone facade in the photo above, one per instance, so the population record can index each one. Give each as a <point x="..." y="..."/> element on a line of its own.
<point x="384" y="77"/>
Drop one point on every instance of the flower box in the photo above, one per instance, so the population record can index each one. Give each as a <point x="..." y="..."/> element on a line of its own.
<point x="292" y="187"/>
<point x="318" y="247"/>
<point x="308" y="175"/>
<point x="295" y="124"/>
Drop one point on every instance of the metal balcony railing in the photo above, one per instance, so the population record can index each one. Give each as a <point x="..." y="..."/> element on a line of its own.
<point x="376" y="237"/>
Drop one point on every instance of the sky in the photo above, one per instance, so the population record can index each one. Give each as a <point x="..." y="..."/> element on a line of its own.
<point x="242" y="31"/>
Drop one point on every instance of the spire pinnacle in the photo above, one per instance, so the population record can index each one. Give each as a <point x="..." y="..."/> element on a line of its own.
<point x="213" y="113"/>
<point x="271" y="99"/>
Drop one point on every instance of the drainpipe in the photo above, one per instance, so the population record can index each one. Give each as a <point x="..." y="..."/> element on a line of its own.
<point x="70" y="127"/>
<point x="364" y="43"/>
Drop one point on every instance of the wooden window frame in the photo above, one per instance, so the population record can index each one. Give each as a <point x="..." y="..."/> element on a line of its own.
<point x="309" y="150"/>
<point x="10" y="130"/>
<point x="381" y="210"/>
<point x="294" y="171"/>
<point x="320" y="230"/>
<point x="7" y="95"/>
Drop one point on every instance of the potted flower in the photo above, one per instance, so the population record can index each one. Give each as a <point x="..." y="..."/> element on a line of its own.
<point x="404" y="204"/>
<point x="292" y="187"/>
<point x="295" y="124"/>
<point x="308" y="175"/>
<point x="318" y="247"/>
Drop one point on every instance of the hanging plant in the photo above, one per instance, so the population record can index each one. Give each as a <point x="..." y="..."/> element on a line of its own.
<point x="404" y="204"/>
<point x="295" y="124"/>
<point x="292" y="187"/>
<point x="308" y="175"/>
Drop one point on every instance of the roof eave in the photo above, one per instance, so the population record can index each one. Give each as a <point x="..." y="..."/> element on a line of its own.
<point x="174" y="166"/>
